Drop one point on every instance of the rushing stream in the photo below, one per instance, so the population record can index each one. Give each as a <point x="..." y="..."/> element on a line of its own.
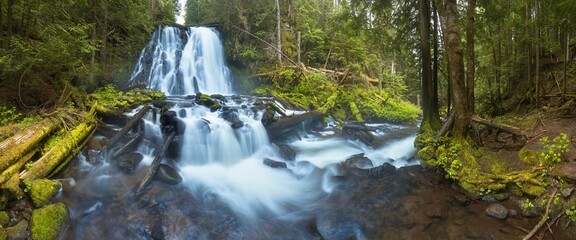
<point x="238" y="184"/>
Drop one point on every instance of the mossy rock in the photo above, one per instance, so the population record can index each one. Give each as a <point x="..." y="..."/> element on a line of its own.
<point x="529" y="156"/>
<point x="2" y="233"/>
<point x="42" y="191"/>
<point x="4" y="218"/>
<point x="427" y="153"/>
<point x="18" y="231"/>
<point x="47" y="222"/>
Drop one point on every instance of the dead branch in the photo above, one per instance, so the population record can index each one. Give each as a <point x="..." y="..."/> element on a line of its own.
<point x="500" y="126"/>
<point x="128" y="126"/>
<point x="153" y="167"/>
<point x="544" y="218"/>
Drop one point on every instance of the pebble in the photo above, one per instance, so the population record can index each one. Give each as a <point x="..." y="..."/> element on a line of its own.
<point x="498" y="211"/>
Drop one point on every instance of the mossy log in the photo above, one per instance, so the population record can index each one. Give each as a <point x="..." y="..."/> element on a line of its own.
<point x="15" y="168"/>
<point x="17" y="146"/>
<point x="154" y="166"/>
<point x="287" y="124"/>
<point x="128" y="126"/>
<point x="70" y="144"/>
<point x="500" y="126"/>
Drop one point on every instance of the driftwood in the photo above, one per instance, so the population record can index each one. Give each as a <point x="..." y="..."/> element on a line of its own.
<point x="287" y="124"/>
<point x="17" y="146"/>
<point x="128" y="126"/>
<point x="65" y="147"/>
<point x="154" y="166"/>
<point x="502" y="127"/>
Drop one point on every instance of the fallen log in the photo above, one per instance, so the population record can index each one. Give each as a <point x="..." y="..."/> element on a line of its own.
<point x="297" y="122"/>
<point x="128" y="126"/>
<point x="503" y="127"/>
<point x="67" y="146"/>
<point x="154" y="166"/>
<point x="17" y="146"/>
<point x="131" y="143"/>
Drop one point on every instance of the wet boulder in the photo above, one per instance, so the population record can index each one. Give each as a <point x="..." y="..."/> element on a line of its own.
<point x="358" y="161"/>
<point x="231" y="115"/>
<point x="168" y="175"/>
<point x="47" y="222"/>
<point x="274" y="164"/>
<point x="498" y="211"/>
<point x="171" y="123"/>
<point x="128" y="162"/>
<point x="285" y="151"/>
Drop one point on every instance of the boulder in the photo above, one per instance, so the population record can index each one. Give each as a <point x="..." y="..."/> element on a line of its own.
<point x="231" y="115"/>
<point x="128" y="162"/>
<point x="566" y="169"/>
<point x="47" y="222"/>
<point x="18" y="231"/>
<point x="358" y="161"/>
<point x="168" y="175"/>
<point x="285" y="151"/>
<point x="498" y="211"/>
<point x="42" y="191"/>
<point x="274" y="164"/>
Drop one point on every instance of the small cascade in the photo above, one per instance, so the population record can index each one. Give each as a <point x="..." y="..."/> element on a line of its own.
<point x="183" y="62"/>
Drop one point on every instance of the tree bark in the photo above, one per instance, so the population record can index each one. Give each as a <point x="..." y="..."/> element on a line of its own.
<point x="128" y="126"/>
<point x="19" y="145"/>
<point x="278" y="25"/>
<point x="10" y="18"/>
<point x="430" y="111"/>
<point x="470" y="56"/>
<point x="450" y="24"/>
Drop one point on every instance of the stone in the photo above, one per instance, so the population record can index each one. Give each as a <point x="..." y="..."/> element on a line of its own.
<point x="566" y="169"/>
<point x="128" y="162"/>
<point x="286" y="151"/>
<point x="566" y="192"/>
<point x="47" y="222"/>
<point x="42" y="191"/>
<point x="498" y="211"/>
<point x="18" y="231"/>
<point x="358" y="161"/>
<point x="231" y="115"/>
<point x="274" y="164"/>
<point x="168" y="175"/>
<point x="512" y="213"/>
<point x="461" y="199"/>
<point x="3" y="235"/>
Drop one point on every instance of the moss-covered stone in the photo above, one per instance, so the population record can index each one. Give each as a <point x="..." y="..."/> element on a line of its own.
<point x="18" y="231"/>
<point x="529" y="156"/>
<point x="47" y="222"/>
<point x="42" y="191"/>
<point x="4" y="218"/>
<point x="3" y="235"/>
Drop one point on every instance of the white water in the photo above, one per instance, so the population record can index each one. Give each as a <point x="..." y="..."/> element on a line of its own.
<point x="228" y="163"/>
<point x="184" y="68"/>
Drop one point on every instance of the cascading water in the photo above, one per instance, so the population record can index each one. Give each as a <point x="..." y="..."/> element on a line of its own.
<point x="183" y="62"/>
<point x="221" y="162"/>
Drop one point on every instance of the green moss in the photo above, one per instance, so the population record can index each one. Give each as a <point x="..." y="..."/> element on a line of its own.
<point x="3" y="233"/>
<point x="4" y="218"/>
<point x="42" y="191"/>
<point x="529" y="156"/>
<point x="47" y="222"/>
<point x="108" y="98"/>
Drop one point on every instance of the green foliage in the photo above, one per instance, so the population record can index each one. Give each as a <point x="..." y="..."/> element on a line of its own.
<point x="27" y="185"/>
<point x="8" y="115"/>
<point x="448" y="159"/>
<point x="527" y="203"/>
<point x="571" y="213"/>
<point x="552" y="153"/>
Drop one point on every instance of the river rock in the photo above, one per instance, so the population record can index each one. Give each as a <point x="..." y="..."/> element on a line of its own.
<point x="498" y="211"/>
<point x="566" y="169"/>
<point x="168" y="175"/>
<point x="274" y="164"/>
<point x="42" y="191"/>
<point x="286" y="151"/>
<point x="566" y="192"/>
<point x="128" y="162"/>
<point x="18" y="231"/>
<point x="358" y="161"/>
<point x="231" y="115"/>
<point x="47" y="222"/>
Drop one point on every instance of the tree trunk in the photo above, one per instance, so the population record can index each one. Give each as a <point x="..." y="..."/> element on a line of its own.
<point x="450" y="21"/>
<point x="10" y="18"/>
<point x="278" y="25"/>
<point x="431" y="116"/>
<point x="436" y="52"/>
<point x="566" y="59"/>
<point x="537" y="64"/>
<point x="17" y="146"/>
<point x="470" y="56"/>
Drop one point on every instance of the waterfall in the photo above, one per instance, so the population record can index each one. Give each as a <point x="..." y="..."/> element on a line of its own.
<point x="183" y="62"/>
